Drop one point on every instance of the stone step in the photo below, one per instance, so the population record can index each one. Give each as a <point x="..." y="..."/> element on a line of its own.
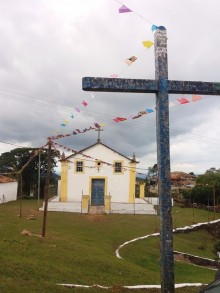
<point x="96" y="209"/>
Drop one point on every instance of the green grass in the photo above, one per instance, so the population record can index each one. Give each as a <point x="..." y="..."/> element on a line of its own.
<point x="80" y="249"/>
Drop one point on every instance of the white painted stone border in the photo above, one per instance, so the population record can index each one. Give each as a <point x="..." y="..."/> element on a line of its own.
<point x="186" y="228"/>
<point x="132" y="287"/>
<point x="191" y="227"/>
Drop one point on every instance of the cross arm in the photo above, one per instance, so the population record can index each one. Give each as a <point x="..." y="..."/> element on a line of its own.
<point x="100" y="84"/>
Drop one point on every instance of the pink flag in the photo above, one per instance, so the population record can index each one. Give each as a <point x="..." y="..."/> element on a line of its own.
<point x="119" y="119"/>
<point x="183" y="101"/>
<point x="124" y="9"/>
<point x="114" y="75"/>
<point x="84" y="103"/>
<point x="196" y="98"/>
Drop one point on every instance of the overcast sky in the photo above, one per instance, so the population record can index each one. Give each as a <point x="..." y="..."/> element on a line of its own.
<point x="48" y="46"/>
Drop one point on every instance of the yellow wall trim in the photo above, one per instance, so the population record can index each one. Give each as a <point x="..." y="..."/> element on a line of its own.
<point x="64" y="180"/>
<point x="132" y="181"/>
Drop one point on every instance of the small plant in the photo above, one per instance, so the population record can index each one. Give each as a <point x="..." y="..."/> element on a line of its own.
<point x="202" y="246"/>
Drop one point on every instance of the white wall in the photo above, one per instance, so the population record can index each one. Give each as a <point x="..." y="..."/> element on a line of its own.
<point x="117" y="184"/>
<point x="8" y="191"/>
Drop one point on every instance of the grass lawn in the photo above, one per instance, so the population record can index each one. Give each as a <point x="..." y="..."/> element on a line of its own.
<point x="80" y="249"/>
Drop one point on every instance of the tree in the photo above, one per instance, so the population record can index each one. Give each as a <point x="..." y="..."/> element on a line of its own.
<point x="153" y="174"/>
<point x="14" y="160"/>
<point x="207" y="189"/>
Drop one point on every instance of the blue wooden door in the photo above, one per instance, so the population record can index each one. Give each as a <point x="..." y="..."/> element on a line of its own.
<point x="98" y="191"/>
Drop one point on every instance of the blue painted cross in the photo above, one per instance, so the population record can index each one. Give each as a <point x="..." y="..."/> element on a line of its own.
<point x="161" y="86"/>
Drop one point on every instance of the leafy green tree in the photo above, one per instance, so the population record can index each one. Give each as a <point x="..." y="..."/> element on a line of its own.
<point x="14" y="160"/>
<point x="207" y="189"/>
<point x="153" y="174"/>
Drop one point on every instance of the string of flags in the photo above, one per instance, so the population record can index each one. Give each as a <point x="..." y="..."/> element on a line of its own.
<point x="148" y="44"/>
<point x="89" y="158"/>
<point x="117" y="119"/>
<point x="78" y="110"/>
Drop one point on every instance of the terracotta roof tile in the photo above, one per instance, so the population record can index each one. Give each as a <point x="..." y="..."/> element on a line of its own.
<point x="4" y="179"/>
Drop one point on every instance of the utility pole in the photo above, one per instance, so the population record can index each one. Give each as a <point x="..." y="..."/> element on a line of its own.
<point x="21" y="196"/>
<point x="214" y="199"/>
<point x="46" y="190"/>
<point x="38" y="189"/>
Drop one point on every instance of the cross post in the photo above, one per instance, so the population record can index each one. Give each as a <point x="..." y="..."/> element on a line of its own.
<point x="99" y="129"/>
<point x="161" y="86"/>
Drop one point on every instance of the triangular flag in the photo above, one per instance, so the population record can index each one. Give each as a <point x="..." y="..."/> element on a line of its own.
<point x="77" y="110"/>
<point x="102" y="124"/>
<point x="84" y="103"/>
<point x="147" y="44"/>
<point x="62" y="124"/>
<point x="142" y="113"/>
<point x="124" y="9"/>
<point x="183" y="101"/>
<point x="114" y="75"/>
<point x="92" y="96"/>
<point x="119" y="119"/>
<point x="72" y="116"/>
<point x="149" y="110"/>
<point x="137" y="116"/>
<point x="66" y="121"/>
<point x="130" y="60"/>
<point x="154" y="27"/>
<point x="196" y="98"/>
<point x="97" y="125"/>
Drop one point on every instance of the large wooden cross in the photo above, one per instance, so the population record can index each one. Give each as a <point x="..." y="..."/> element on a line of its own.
<point x="161" y="86"/>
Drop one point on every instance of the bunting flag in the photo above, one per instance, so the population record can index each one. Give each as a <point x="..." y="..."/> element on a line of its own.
<point x="183" y="101"/>
<point x="147" y="44"/>
<point x="66" y="121"/>
<point x="154" y="27"/>
<point x="196" y="98"/>
<point x="72" y="116"/>
<point x="114" y="75"/>
<point x="119" y="119"/>
<point x="124" y="9"/>
<point x="77" y="110"/>
<point x="84" y="103"/>
<point x="149" y="110"/>
<point x="130" y="60"/>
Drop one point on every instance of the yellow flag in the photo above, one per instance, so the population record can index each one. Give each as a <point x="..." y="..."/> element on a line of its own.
<point x="148" y="44"/>
<point x="102" y="124"/>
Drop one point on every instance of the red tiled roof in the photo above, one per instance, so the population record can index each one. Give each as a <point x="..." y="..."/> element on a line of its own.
<point x="4" y="179"/>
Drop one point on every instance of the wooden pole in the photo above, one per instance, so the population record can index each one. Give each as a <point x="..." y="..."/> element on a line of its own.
<point x="163" y="163"/>
<point x="214" y="199"/>
<point x="38" y="188"/>
<point x="21" y="191"/>
<point x="46" y="190"/>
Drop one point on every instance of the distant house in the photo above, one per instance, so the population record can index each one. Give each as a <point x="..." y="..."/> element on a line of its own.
<point x="98" y="179"/>
<point x="183" y="180"/>
<point x="8" y="189"/>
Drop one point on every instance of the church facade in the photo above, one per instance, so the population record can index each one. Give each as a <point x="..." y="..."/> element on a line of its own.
<point x="98" y="179"/>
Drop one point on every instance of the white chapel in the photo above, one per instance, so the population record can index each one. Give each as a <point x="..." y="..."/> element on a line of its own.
<point x="97" y="180"/>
